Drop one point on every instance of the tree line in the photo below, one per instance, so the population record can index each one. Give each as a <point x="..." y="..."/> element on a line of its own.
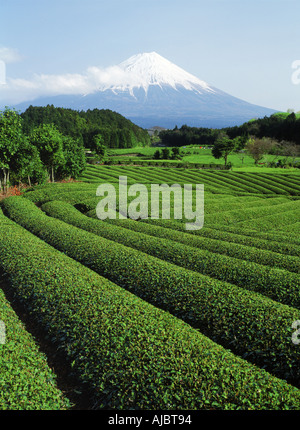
<point x="278" y="134"/>
<point x="116" y="130"/>
<point x="42" y="154"/>
<point x="282" y="127"/>
<point x="49" y="143"/>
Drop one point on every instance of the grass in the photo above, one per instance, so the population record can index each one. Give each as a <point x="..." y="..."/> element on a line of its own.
<point x="193" y="154"/>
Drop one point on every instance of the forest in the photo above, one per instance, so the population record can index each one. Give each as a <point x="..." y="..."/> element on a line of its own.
<point x="48" y="143"/>
<point x="116" y="130"/>
<point x="281" y="127"/>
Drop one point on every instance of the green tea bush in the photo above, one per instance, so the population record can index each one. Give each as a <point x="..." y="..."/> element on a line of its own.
<point x="204" y="258"/>
<point x="242" y="251"/>
<point x="129" y="353"/>
<point x="250" y="324"/>
<point x="230" y="234"/>
<point x="280" y="235"/>
<point x="27" y="382"/>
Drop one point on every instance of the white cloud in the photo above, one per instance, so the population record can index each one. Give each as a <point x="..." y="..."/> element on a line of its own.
<point x="9" y="55"/>
<point x="94" y="78"/>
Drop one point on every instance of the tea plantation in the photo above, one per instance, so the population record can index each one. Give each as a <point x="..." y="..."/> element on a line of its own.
<point x="146" y="314"/>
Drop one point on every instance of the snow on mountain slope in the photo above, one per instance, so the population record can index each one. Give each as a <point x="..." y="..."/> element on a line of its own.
<point x="150" y="90"/>
<point x="144" y="70"/>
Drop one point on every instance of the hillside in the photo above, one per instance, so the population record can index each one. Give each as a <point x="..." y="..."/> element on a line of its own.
<point x="117" y="131"/>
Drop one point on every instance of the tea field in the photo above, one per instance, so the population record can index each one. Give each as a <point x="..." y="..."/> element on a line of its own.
<point x="145" y="314"/>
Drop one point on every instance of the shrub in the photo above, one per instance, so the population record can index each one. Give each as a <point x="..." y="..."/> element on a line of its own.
<point x="129" y="353"/>
<point x="250" y="324"/>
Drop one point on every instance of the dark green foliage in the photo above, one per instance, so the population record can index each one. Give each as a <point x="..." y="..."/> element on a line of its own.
<point x="250" y="324"/>
<point x="188" y="136"/>
<point x="277" y="126"/>
<point x="75" y="159"/>
<point x="266" y="279"/>
<point x="27" y="382"/>
<point x="132" y="354"/>
<point x="223" y="146"/>
<point x="116" y="130"/>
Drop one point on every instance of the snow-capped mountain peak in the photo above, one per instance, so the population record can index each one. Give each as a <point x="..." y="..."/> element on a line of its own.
<point x="150" y="90"/>
<point x="148" y="69"/>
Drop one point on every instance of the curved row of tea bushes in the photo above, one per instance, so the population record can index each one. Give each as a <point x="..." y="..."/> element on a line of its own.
<point x="53" y="191"/>
<point x="208" y="180"/>
<point x="291" y="180"/>
<point x="292" y="228"/>
<point x="269" y="181"/>
<point x="231" y="234"/>
<point x="252" y="215"/>
<point x="212" y="202"/>
<point x="285" y="236"/>
<point x="252" y="325"/>
<point x="243" y="202"/>
<point x="278" y="284"/>
<point x="255" y="184"/>
<point x="249" y="186"/>
<point x="131" y="354"/>
<point x="26" y="380"/>
<point x="272" y="222"/>
<point x="219" y="246"/>
<point x="279" y="243"/>
<point x="266" y="181"/>
<point x="231" y="209"/>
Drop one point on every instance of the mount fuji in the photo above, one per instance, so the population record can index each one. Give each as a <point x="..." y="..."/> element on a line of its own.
<point x="152" y="91"/>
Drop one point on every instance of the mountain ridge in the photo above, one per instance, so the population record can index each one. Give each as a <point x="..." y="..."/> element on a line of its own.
<point x="149" y="89"/>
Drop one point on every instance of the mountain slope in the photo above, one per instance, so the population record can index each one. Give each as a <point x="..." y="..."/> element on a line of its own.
<point x="150" y="90"/>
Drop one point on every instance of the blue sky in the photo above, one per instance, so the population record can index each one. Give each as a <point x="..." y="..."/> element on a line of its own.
<point x="243" y="47"/>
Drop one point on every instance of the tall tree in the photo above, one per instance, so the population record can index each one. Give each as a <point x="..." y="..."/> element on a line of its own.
<point x="75" y="159"/>
<point x="49" y="142"/>
<point x="27" y="165"/>
<point x="257" y="148"/>
<point x="223" y="146"/>
<point x="11" y="137"/>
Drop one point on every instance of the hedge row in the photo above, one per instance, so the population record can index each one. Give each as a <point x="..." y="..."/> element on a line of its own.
<point x="56" y="190"/>
<point x="278" y="284"/>
<point x="207" y="180"/>
<point x="220" y="246"/>
<point x="255" y="184"/>
<point x="252" y="215"/>
<point x="253" y="326"/>
<point x="227" y="209"/>
<point x="228" y="234"/>
<point x="232" y="182"/>
<point x="286" y="237"/>
<point x="27" y="382"/>
<point x="262" y="182"/>
<point x="271" y="222"/>
<point x="292" y="228"/>
<point x="133" y="355"/>
<point x="269" y="182"/>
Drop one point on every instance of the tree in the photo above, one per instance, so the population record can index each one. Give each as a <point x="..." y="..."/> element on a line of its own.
<point x="257" y="148"/>
<point x="176" y="153"/>
<point x="98" y="147"/>
<point x="49" y="142"/>
<point x="290" y="150"/>
<point x="223" y="146"/>
<point x="156" y="155"/>
<point x="75" y="159"/>
<point x="27" y="165"/>
<point x="11" y="137"/>
<point x="165" y="153"/>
